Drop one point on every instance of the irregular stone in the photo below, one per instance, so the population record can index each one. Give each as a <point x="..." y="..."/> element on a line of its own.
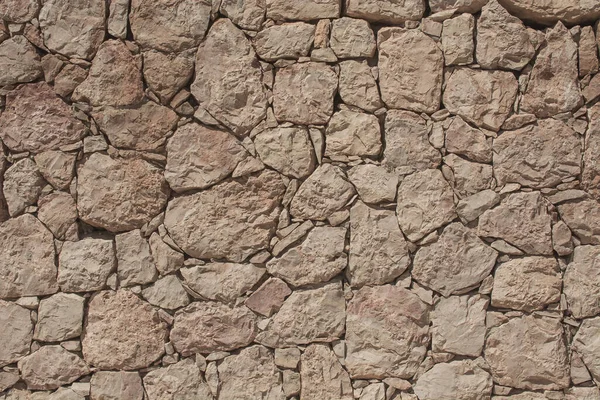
<point x="305" y="10"/>
<point x="222" y="281"/>
<point x="167" y="293"/>
<point x="204" y="327"/>
<point x="378" y="250"/>
<point x="226" y="64"/>
<point x="232" y="220"/>
<point x="8" y="379"/>
<point x="528" y="352"/>
<point x="357" y="86"/>
<point x="463" y="139"/>
<point x="322" y="375"/>
<point x="458" y="261"/>
<point x="247" y="14"/>
<point x="582" y="282"/>
<point x="352" y="38"/>
<point x="167" y="73"/>
<point x="517" y="121"/>
<point x="586" y="344"/>
<point x="307" y="316"/>
<point x="527" y="284"/>
<point x="410" y="69"/>
<point x="114" y="79"/>
<point x="588" y="52"/>
<point x="522" y="220"/>
<point x="317" y="259"/>
<point x="85" y="265"/>
<point x="461" y="6"/>
<point x="109" y="385"/>
<point x="561" y="239"/>
<point x="387" y="333"/>
<point x="456" y="380"/>
<point x="425" y="203"/>
<point x="581" y="217"/>
<point x="571" y="12"/>
<point x="58" y="212"/>
<point x="352" y="134"/>
<point x="16" y="333"/>
<point x="135" y="265"/>
<point x="471" y="207"/>
<point x="466" y="177"/>
<point x="582" y="393"/>
<point x="537" y="156"/>
<point x="51" y="367"/>
<point x="373" y="183"/>
<point x="19" y="62"/>
<point x="26" y="258"/>
<point x="142" y="128"/>
<point x="457" y="40"/>
<point x="291" y="40"/>
<point x="60" y="317"/>
<point x="502" y="40"/>
<point x="22" y="186"/>
<point x="119" y="194"/>
<point x="183" y="23"/>
<point x="199" y="157"/>
<point x="553" y="86"/>
<point x="287" y="150"/>
<point x="386" y="11"/>
<point x="269" y="297"/>
<point x="68" y="79"/>
<point x="18" y="11"/>
<point x="590" y="177"/>
<point x="118" y="17"/>
<point x="251" y="374"/>
<point x="122" y="332"/>
<point x="303" y="93"/>
<point x="36" y="120"/>
<point x="483" y="98"/>
<point x="56" y="167"/>
<point x="178" y="381"/>
<point x="287" y="357"/>
<point x="166" y="259"/>
<point x="73" y="28"/>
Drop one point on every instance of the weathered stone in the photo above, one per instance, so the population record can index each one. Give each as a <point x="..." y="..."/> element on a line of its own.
<point x="471" y="207"/>
<point x="483" y="98"/>
<point x="527" y="284"/>
<point x="586" y="344"/>
<point x="463" y="139"/>
<point x="199" y="157"/>
<point x="135" y="265"/>
<point x="108" y="385"/>
<point x="119" y="194"/>
<point x="386" y="11"/>
<point x="322" y="375"/>
<point x="85" y="265"/>
<point x="325" y="191"/>
<point x="56" y="167"/>
<point x="167" y="73"/>
<point x="226" y="64"/>
<point x="204" y="327"/>
<point x="387" y="333"/>
<point x="582" y="282"/>
<point x="373" y="183"/>
<point x="456" y="380"/>
<point x="461" y="6"/>
<point x="458" y="261"/>
<point x="247" y="14"/>
<point x="528" y="352"/>
<point x="307" y="316"/>
<point x="317" y="259"/>
<point x="178" y="381"/>
<point x="352" y="134"/>
<point x="58" y="212"/>
<point x="303" y="93"/>
<point x="232" y="220"/>
<point x="590" y="177"/>
<point x="16" y="334"/>
<point x="183" y="23"/>
<point x="425" y="203"/>
<point x="291" y="40"/>
<point x="60" y="317"/>
<point x="122" y="332"/>
<point x="588" y="52"/>
<point x="286" y="149"/>
<point x="22" y="186"/>
<point x="26" y="258"/>
<point x="51" y="367"/>
<point x="410" y="70"/>
<point x="582" y="218"/>
<point x="19" y="61"/>
<point x="357" y="86"/>
<point x="167" y="293"/>
<point x="73" y="28"/>
<point x="562" y="239"/>
<point x="118" y="17"/>
<point x="8" y="379"/>
<point x="352" y="38"/>
<point x="68" y="79"/>
<point x="378" y="250"/>
<point x="468" y="178"/>
<point x="269" y="297"/>
<point x="18" y="11"/>
<point x="522" y="220"/>
<point x="35" y="120"/>
<point x="582" y="393"/>
<point x="457" y="40"/>
<point x="305" y="10"/>
<point x="553" y="87"/>
<point x="166" y="259"/>
<point x="571" y="12"/>
<point x="114" y="79"/>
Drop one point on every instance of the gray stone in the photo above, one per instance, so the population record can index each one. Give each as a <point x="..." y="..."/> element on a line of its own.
<point x="19" y="61"/>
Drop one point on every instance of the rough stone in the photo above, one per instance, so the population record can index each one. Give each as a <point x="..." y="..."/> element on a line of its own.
<point x="582" y="218"/>
<point x="471" y="207"/>
<point x="167" y="73"/>
<point x="590" y="177"/>
<point x="305" y="10"/>
<point x="586" y="344"/>
<point x="178" y="381"/>
<point x="386" y="11"/>
<point x="287" y="149"/>
<point x="582" y="282"/>
<point x="166" y="259"/>
<point x="562" y="239"/>
<point x="68" y="79"/>
<point x="289" y="41"/>
<point x="571" y="12"/>
<point x="457" y="40"/>
<point x="463" y="139"/>
<point x="167" y="293"/>
<point x="135" y="265"/>
<point x="19" y="61"/>
<point x="60" y="317"/>
<point x="269" y="297"/>
<point x="109" y="385"/>
<point x="322" y="375"/>
<point x="461" y="6"/>
<point x="18" y="11"/>
<point x="352" y="38"/>
<point x="456" y="380"/>
<point x="56" y="167"/>
<point x="85" y="265"/>
<point x="466" y="177"/>
<point x="352" y="134"/>
<point x="247" y="14"/>
<point x="16" y="333"/>
<point x="373" y="183"/>
<point x="51" y="367"/>
<point x="357" y="86"/>
<point x="118" y="18"/>
<point x="58" y="212"/>
<point x="22" y="186"/>
<point x="588" y="52"/>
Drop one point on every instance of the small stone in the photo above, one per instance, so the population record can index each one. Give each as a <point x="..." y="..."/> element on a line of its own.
<point x="247" y="14"/>
<point x="8" y="379"/>
<point x="581" y="282"/>
<point x="471" y="207"/>
<point x="51" y="367"/>
<point x="467" y="141"/>
<point x="386" y="11"/>
<point x="118" y="16"/>
<point x="22" y="186"/>
<point x="581" y="217"/>
<point x="586" y="393"/>
<point x="306" y="10"/>
<point x="517" y="121"/>
<point x="85" y="265"/>
<point x="322" y="375"/>
<point x="135" y="265"/>
<point x="167" y="73"/>
<point x="58" y="212"/>
<point x="357" y="86"/>
<point x="166" y="259"/>
<point x="466" y="177"/>
<point x="586" y="345"/>
<point x="287" y="357"/>
<point x="56" y="167"/>
<point x="269" y="297"/>
<point x="291" y="383"/>
<point x="19" y="62"/>
<point x="352" y="38"/>
<point x="553" y="11"/>
<point x="457" y="40"/>
<point x="287" y="149"/>
<point x="178" y="381"/>
<point x="16" y="333"/>
<point x="60" y="317"/>
<point x="108" y="385"/>
<point x="561" y="239"/>
<point x="289" y="41"/>
<point x="167" y="293"/>
<point x="18" y="11"/>
<point x="591" y="172"/>
<point x="68" y="79"/>
<point x="373" y="183"/>
<point x="352" y="134"/>
<point x="588" y="53"/>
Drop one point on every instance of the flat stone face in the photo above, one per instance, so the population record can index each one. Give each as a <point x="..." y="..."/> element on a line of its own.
<point x="547" y="13"/>
<point x="16" y="333"/>
<point x="85" y="265"/>
<point x="287" y="150"/>
<point x="167" y="73"/>
<point x="462" y="6"/>
<point x="582" y="218"/>
<point x="591" y="170"/>
<point x="581" y="282"/>
<point x="19" y="61"/>
<point x="357" y="86"/>
<point x="528" y="353"/>
<point x="387" y="333"/>
<point x="22" y="186"/>
<point x="352" y="38"/>
<point x="289" y="41"/>
<point x="135" y="264"/>
<point x="373" y="183"/>
<point x="178" y="381"/>
<point x="467" y="178"/>
<point x="60" y="317"/>
<point x="122" y="332"/>
<point x="469" y="381"/>
<point x="51" y="367"/>
<point x="247" y="14"/>
<point x="463" y="139"/>
<point x="304" y="10"/>
<point x="457" y="40"/>
<point x="19" y="11"/>
<point x="386" y="11"/>
<point x="218" y="225"/>
<point x="269" y="297"/>
<point x="352" y="134"/>
<point x="167" y="293"/>
<point x="586" y="344"/>
<point x="58" y="212"/>
<point x="322" y="375"/>
<point x="116" y="385"/>
<point x="410" y="70"/>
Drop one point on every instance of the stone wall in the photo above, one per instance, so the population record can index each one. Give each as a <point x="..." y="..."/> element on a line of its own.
<point x="271" y="199"/>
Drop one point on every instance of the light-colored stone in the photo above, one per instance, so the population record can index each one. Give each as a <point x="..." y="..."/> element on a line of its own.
<point x="58" y="212"/>
<point x="461" y="6"/>
<point x="269" y="297"/>
<point x="135" y="265"/>
<point x="60" y="317"/>
<point x="582" y="218"/>
<point x="118" y="385"/>
<point x="571" y="12"/>
<point x="289" y="41"/>
<point x="586" y="344"/>
<point x="357" y="86"/>
<point x="247" y="14"/>
<point x="167" y="293"/>
<point x="562" y="239"/>
<point x="373" y="183"/>
<point x="287" y="149"/>
<point x="322" y="375"/>
<point x="471" y="207"/>
<point x="463" y="139"/>
<point x="410" y="69"/>
<point x="352" y="134"/>
<point x="178" y="381"/>
<point x="590" y="177"/>
<point x="22" y="186"/>
<point x="582" y="282"/>
<point x="8" y="379"/>
<point x="118" y="17"/>
<point x="352" y="38"/>
<point x="167" y="73"/>
<point x="588" y="52"/>
<point x="19" y="61"/>
<point x="456" y="380"/>
<point x="582" y="393"/>
<point x="287" y="357"/>
<point x="166" y="259"/>
<point x="51" y="367"/>
<point x="386" y="11"/>
<point x="85" y="265"/>
<point x="457" y="40"/>
<point x="18" y="11"/>
<point x="305" y="10"/>
<point x="16" y="333"/>
<point x="68" y="79"/>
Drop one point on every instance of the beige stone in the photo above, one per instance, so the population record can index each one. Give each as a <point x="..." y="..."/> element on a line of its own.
<point x="352" y="134"/>
<point x="117" y="385"/>
<point x="135" y="265"/>
<point x="588" y="52"/>
<point x="247" y="14"/>
<point x="305" y="10"/>
<point x="357" y="86"/>
<point x="562" y="239"/>
<point x="456" y="380"/>
<point x="118" y="18"/>
<point x="582" y="282"/>
<point x="166" y="259"/>
<point x="471" y="207"/>
<point x="269" y="297"/>
<point x="352" y="38"/>
<point x="466" y="177"/>
<point x="16" y="334"/>
<point x="22" y="186"/>
<point x="374" y="184"/>
<point x="68" y="79"/>
<point x="462" y="6"/>
<point x="290" y="41"/>
<point x="582" y="218"/>
<point x="571" y="12"/>
<point x="463" y="139"/>
<point x="582" y="393"/>
<point x="287" y="149"/>
<point x="178" y="381"/>
<point x="51" y="367"/>
<point x="19" y="61"/>
<point x="18" y="11"/>
<point x="60" y="317"/>
<point x="386" y="11"/>
<point x="85" y="265"/>
<point x="586" y="344"/>
<point x="457" y="40"/>
<point x="56" y="167"/>
<point x="58" y="212"/>
<point x="167" y="73"/>
<point x="322" y="375"/>
<point x="590" y="177"/>
<point x="167" y="292"/>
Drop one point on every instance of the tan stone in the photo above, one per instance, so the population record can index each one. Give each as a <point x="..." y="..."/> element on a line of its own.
<point x="571" y="12"/>
<point x="288" y="41"/>
<point x="269" y="297"/>
<point x="135" y="264"/>
<point x="582" y="393"/>
<point x="588" y="52"/>
<point x="386" y="11"/>
<point x="167" y="73"/>
<point x="84" y="266"/>
<point x="16" y="334"/>
<point x="108" y="385"/>
<point x="56" y="167"/>
<point x="471" y="207"/>
<point x="561" y="239"/>
<point x="352" y="38"/>
<point x="373" y="183"/>
<point x="582" y="218"/>
<point x="22" y="186"/>
<point x="18" y="11"/>
<point x="586" y="344"/>
<point x="461" y="6"/>
<point x="463" y="139"/>
<point x="60" y="317"/>
<point x="457" y="40"/>
<point x="118" y="18"/>
<point x="51" y="367"/>
<point x="58" y="212"/>
<point x="357" y="86"/>
<point x="68" y="79"/>
<point x="305" y="10"/>
<point x="590" y="177"/>
<point x="166" y="259"/>
<point x="247" y="14"/>
<point x="352" y="134"/>
<point x="456" y="380"/>
<point x="322" y="375"/>
<point x="178" y="381"/>
<point x="167" y="293"/>
<point x="582" y="282"/>
<point x="19" y="61"/>
<point x="287" y="149"/>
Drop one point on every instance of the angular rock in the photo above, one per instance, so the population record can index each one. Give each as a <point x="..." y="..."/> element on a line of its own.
<point x="322" y="375"/>
<point x="528" y="352"/>
<point x="60" y="317"/>
<point x="19" y="62"/>
<point x="247" y="14"/>
<point x="68" y="79"/>
<point x="232" y="220"/>
<point x="307" y="316"/>
<point x="305" y="10"/>
<point x="269" y="297"/>
<point x="352" y="38"/>
<point x="8" y="379"/>
<point x="456" y="380"/>
<point x="410" y="69"/>
<point x="73" y="28"/>
<point x="114" y="79"/>
<point x="199" y="157"/>
<point x="18" y="11"/>
<point x="178" y="381"/>
<point x="522" y="220"/>
<point x="357" y="86"/>
<point x="205" y="327"/>
<point x="167" y="293"/>
<point x="562" y="239"/>
<point x="425" y="203"/>
<point x="467" y="141"/>
<point x="22" y="186"/>
<point x="585" y="393"/>
<point x="527" y="284"/>
<point x="118" y="17"/>
<point x="226" y="64"/>
<point x="386" y="11"/>
<point x="119" y="194"/>
<point x="85" y="265"/>
<point x="287" y="150"/>
<point x="56" y="167"/>
<point x="571" y="12"/>
<point x="35" y="120"/>
<point x="167" y="73"/>
<point x="303" y="93"/>
<point x="582" y="218"/>
<point x="483" y="98"/>
<point x="586" y="344"/>
<point x="466" y="177"/>
<point x="26" y="258"/>
<point x="457" y="40"/>
<point x="387" y="333"/>
<point x="378" y="250"/>
<point x="352" y="134"/>
<point x="581" y="282"/>
<point x="553" y="86"/>
<point x="109" y="385"/>
<point x="166" y="259"/>
<point x="461" y="6"/>
<point x="590" y="177"/>
<point x="135" y="265"/>
<point x="58" y="212"/>
<point x="289" y="41"/>
<point x="51" y="367"/>
<point x="588" y="52"/>
<point x="471" y="207"/>
<point x="122" y="332"/>
<point x="373" y="183"/>
<point x="16" y="334"/>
